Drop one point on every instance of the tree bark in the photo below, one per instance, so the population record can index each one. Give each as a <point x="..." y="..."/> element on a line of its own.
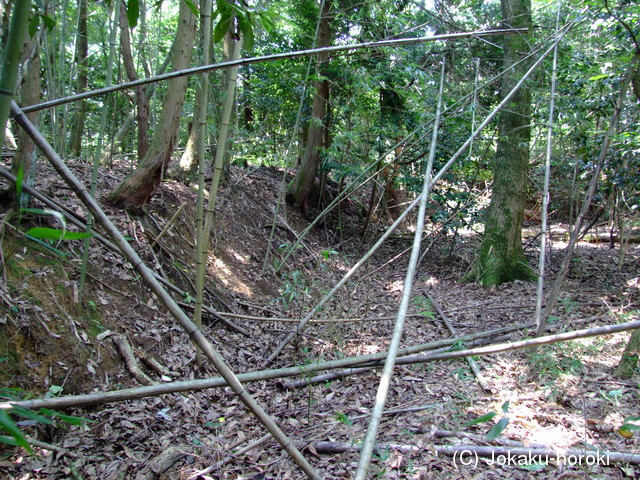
<point x="185" y="169"/>
<point x="82" y="52"/>
<point x="629" y="359"/>
<point x="301" y="186"/>
<point x="25" y="158"/>
<point x="138" y="188"/>
<point x="501" y="257"/>
<point x="142" y="114"/>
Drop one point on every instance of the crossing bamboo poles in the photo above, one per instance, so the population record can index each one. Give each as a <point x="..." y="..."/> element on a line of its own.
<point x="147" y="275"/>
<point x="387" y="372"/>
<point x="413" y="204"/>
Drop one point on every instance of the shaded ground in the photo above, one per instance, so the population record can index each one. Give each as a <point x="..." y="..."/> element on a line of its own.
<point x="53" y="336"/>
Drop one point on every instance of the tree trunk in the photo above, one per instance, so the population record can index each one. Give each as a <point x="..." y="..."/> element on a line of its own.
<point x="629" y="360"/>
<point x="136" y="190"/>
<point x="82" y="51"/>
<point x="25" y="158"/>
<point x="142" y="116"/>
<point x="501" y="258"/>
<point x="301" y="186"/>
<point x="185" y="169"/>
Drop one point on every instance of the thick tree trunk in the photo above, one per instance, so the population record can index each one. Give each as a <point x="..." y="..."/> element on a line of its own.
<point x="185" y="169"/>
<point x="629" y="361"/>
<point x="82" y="51"/>
<point x="501" y="257"/>
<point x="301" y="186"/>
<point x="25" y="158"/>
<point x="142" y="112"/>
<point x="136" y="190"/>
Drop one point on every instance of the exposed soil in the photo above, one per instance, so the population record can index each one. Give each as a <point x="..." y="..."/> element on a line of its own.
<point x="54" y="335"/>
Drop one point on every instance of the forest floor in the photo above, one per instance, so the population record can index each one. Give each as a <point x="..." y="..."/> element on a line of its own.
<point x="56" y="340"/>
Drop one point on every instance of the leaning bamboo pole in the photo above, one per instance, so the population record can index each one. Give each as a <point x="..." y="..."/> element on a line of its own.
<point x="147" y="275"/>
<point x="413" y="204"/>
<point x="269" y="58"/>
<point x="547" y="173"/>
<point x="407" y="290"/>
<point x="202" y="248"/>
<point x="575" y="234"/>
<point x="99" y="398"/>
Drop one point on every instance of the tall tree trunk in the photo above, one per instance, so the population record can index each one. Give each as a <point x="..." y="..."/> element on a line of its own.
<point x="82" y="52"/>
<point x="501" y="258"/>
<point x="136" y="190"/>
<point x="301" y="186"/>
<point x="185" y="169"/>
<point x="142" y="116"/>
<point x="25" y="158"/>
<point x="629" y="360"/>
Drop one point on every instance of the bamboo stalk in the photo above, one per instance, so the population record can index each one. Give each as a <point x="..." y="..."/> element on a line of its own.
<point x="557" y="284"/>
<point x="387" y="372"/>
<point x="545" y="194"/>
<point x="196" y="335"/>
<point x="473" y="365"/>
<point x="203" y="384"/>
<point x="413" y="204"/>
<point x="270" y="58"/>
<point x="496" y="453"/>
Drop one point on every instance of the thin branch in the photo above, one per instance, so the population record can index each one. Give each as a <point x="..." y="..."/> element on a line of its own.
<point x="268" y="58"/>
<point x="147" y="274"/>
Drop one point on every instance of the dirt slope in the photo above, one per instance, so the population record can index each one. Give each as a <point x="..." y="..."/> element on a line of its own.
<point x="53" y="336"/>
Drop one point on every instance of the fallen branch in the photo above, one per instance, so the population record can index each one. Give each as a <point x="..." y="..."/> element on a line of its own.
<point x="473" y="365"/>
<point x="499" y="454"/>
<point x="185" y="386"/>
<point x="130" y="360"/>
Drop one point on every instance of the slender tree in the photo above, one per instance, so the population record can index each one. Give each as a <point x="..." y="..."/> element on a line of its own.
<point x="138" y="187"/>
<point x="501" y="257"/>
<point x="301" y="187"/>
<point x="142" y="112"/>
<point x="82" y="80"/>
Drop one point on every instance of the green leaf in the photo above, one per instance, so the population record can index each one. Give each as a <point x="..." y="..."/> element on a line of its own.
<point x="505" y="407"/>
<point x="133" y="13"/>
<point x="599" y="77"/>
<point x="30" y="415"/>
<point x="222" y="27"/>
<point x="12" y="429"/>
<point x="66" y="418"/>
<point x="48" y="22"/>
<point x="47" y="233"/>
<point x="481" y="419"/>
<point x="244" y="23"/>
<point x="632" y="418"/>
<point x="534" y="467"/>
<point x="497" y="429"/>
<point x="192" y="7"/>
<point x="34" y="23"/>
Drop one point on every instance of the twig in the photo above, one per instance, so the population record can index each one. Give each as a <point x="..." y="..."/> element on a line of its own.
<point x="472" y="363"/>
<point x="590" y="457"/>
<point x="169" y="224"/>
<point x="130" y="360"/>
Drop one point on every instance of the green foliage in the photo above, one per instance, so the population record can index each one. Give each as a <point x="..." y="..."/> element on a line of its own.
<point x="44" y="416"/>
<point x="498" y="427"/>
<point x="424" y="307"/>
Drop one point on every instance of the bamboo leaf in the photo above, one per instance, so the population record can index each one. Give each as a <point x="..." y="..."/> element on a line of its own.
<point x="66" y="418"/>
<point x="30" y="415"/>
<point x="221" y="28"/>
<point x="246" y="28"/>
<point x="192" y="6"/>
<point x="497" y="429"/>
<point x="12" y="429"/>
<point x="505" y="407"/>
<point x="133" y="13"/>
<point x="481" y="419"/>
<point x="46" y="233"/>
